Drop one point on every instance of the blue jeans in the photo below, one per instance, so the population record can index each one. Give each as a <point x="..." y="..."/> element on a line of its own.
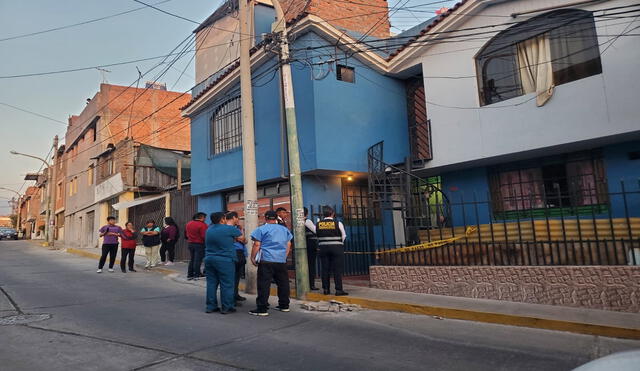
<point x="196" y="250"/>
<point x="220" y="272"/>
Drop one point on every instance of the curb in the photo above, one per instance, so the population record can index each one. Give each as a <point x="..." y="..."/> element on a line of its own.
<point x="486" y="317"/>
<point x="444" y="312"/>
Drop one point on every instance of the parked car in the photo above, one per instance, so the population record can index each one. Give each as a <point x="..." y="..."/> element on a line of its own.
<point x="8" y="234"/>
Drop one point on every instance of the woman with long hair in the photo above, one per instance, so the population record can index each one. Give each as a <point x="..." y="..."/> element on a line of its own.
<point x="129" y="237"/>
<point x="169" y="237"/>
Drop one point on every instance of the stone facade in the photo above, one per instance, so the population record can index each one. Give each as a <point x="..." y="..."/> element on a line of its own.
<point x="614" y="288"/>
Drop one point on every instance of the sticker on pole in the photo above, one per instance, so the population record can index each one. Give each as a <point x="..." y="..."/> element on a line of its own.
<point x="300" y="217"/>
<point x="251" y="207"/>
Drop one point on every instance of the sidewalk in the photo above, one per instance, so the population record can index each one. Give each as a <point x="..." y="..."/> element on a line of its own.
<point x="559" y="318"/>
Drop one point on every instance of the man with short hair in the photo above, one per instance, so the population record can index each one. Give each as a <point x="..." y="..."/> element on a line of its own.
<point x="241" y="253"/>
<point x="331" y="236"/>
<point x="110" y="232"/>
<point x="281" y="212"/>
<point x="195" y="231"/>
<point x="271" y="246"/>
<point x="220" y="263"/>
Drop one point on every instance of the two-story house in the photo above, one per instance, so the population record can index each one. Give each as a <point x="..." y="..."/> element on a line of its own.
<point x="339" y="114"/>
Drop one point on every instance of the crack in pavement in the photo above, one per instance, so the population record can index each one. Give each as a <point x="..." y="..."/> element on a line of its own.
<point x="144" y="347"/>
<point x="13" y="302"/>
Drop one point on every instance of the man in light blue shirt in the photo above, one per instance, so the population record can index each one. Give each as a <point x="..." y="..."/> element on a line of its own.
<point x="271" y="246"/>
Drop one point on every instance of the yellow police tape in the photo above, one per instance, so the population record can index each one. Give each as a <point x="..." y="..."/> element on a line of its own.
<point x="422" y="246"/>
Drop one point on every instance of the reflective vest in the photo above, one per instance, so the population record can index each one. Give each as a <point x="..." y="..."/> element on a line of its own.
<point x="328" y="232"/>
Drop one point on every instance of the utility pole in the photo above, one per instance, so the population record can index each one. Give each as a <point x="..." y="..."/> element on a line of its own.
<point x="51" y="215"/>
<point x="248" y="139"/>
<point x="295" y="176"/>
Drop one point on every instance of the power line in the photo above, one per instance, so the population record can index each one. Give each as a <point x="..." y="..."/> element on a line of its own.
<point x="78" y="24"/>
<point x="168" y="13"/>
<point x="34" y="113"/>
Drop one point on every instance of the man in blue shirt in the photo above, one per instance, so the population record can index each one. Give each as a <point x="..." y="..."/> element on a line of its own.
<point x="219" y="262"/>
<point x="271" y="246"/>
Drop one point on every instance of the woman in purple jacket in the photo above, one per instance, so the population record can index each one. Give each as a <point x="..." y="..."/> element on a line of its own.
<point x="169" y="237"/>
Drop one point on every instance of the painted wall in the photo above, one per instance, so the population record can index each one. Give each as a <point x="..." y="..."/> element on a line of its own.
<point x="623" y="172"/>
<point x="595" y="107"/>
<point x="337" y="122"/>
<point x="219" y="46"/>
<point x="462" y="188"/>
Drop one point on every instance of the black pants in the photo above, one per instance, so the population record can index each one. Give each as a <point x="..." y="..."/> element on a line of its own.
<point x="170" y="247"/>
<point x="312" y="253"/>
<point x="268" y="271"/>
<point x="239" y="269"/>
<point x="332" y="260"/>
<point x="196" y="250"/>
<point x="110" y="249"/>
<point x="124" y="253"/>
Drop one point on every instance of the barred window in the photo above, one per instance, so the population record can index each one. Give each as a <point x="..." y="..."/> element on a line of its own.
<point x="571" y="181"/>
<point x="226" y="127"/>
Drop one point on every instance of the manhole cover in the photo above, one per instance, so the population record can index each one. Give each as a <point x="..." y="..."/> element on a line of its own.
<point x="22" y="319"/>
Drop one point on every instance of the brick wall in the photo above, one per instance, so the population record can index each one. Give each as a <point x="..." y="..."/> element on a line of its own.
<point x="366" y="17"/>
<point x="614" y="288"/>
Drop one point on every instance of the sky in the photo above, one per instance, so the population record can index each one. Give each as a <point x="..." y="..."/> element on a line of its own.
<point x="136" y="35"/>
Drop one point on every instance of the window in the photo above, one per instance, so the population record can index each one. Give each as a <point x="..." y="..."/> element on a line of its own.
<point x="90" y="175"/>
<point x="71" y="187"/>
<point x="111" y="211"/>
<point x="59" y="191"/>
<point x="346" y="73"/>
<point x="75" y="184"/>
<point x="536" y="55"/>
<point x="226" y="127"/>
<point x="568" y="182"/>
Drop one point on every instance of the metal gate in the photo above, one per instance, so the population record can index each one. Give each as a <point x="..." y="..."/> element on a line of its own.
<point x="183" y="207"/>
<point x="154" y="210"/>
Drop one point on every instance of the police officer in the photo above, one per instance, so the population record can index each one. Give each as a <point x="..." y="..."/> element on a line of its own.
<point x="331" y="236"/>
<point x="312" y="248"/>
<point x="271" y="245"/>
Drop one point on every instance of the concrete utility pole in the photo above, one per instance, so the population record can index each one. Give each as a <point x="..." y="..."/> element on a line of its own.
<point x="51" y="214"/>
<point x="248" y="139"/>
<point x="295" y="176"/>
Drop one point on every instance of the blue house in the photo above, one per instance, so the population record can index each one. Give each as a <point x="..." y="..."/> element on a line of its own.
<point x="344" y="104"/>
<point x="423" y="134"/>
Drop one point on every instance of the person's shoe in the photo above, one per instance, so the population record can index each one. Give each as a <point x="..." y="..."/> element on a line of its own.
<point x="190" y="278"/>
<point x="283" y="309"/>
<point x="212" y="310"/>
<point x="341" y="293"/>
<point x="99" y="271"/>
<point x="132" y="270"/>
<point x="170" y="263"/>
<point x="313" y="288"/>
<point x="326" y="292"/>
<point x="124" y="270"/>
<point x="238" y="303"/>
<point x="259" y="312"/>
<point x="240" y="298"/>
<point x="228" y="311"/>
<point x="111" y="270"/>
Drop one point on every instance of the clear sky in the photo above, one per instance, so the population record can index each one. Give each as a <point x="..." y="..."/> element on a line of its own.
<point x="139" y="34"/>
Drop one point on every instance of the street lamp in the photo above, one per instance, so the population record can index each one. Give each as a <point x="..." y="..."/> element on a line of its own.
<point x="18" y="224"/>
<point x="48" y="235"/>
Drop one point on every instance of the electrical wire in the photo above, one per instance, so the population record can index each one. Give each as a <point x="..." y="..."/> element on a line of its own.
<point x="79" y="23"/>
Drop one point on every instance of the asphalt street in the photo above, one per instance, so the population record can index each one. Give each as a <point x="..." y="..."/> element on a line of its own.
<point x="146" y="321"/>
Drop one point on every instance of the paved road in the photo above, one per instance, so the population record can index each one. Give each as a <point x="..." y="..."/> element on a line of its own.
<point x="136" y="321"/>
